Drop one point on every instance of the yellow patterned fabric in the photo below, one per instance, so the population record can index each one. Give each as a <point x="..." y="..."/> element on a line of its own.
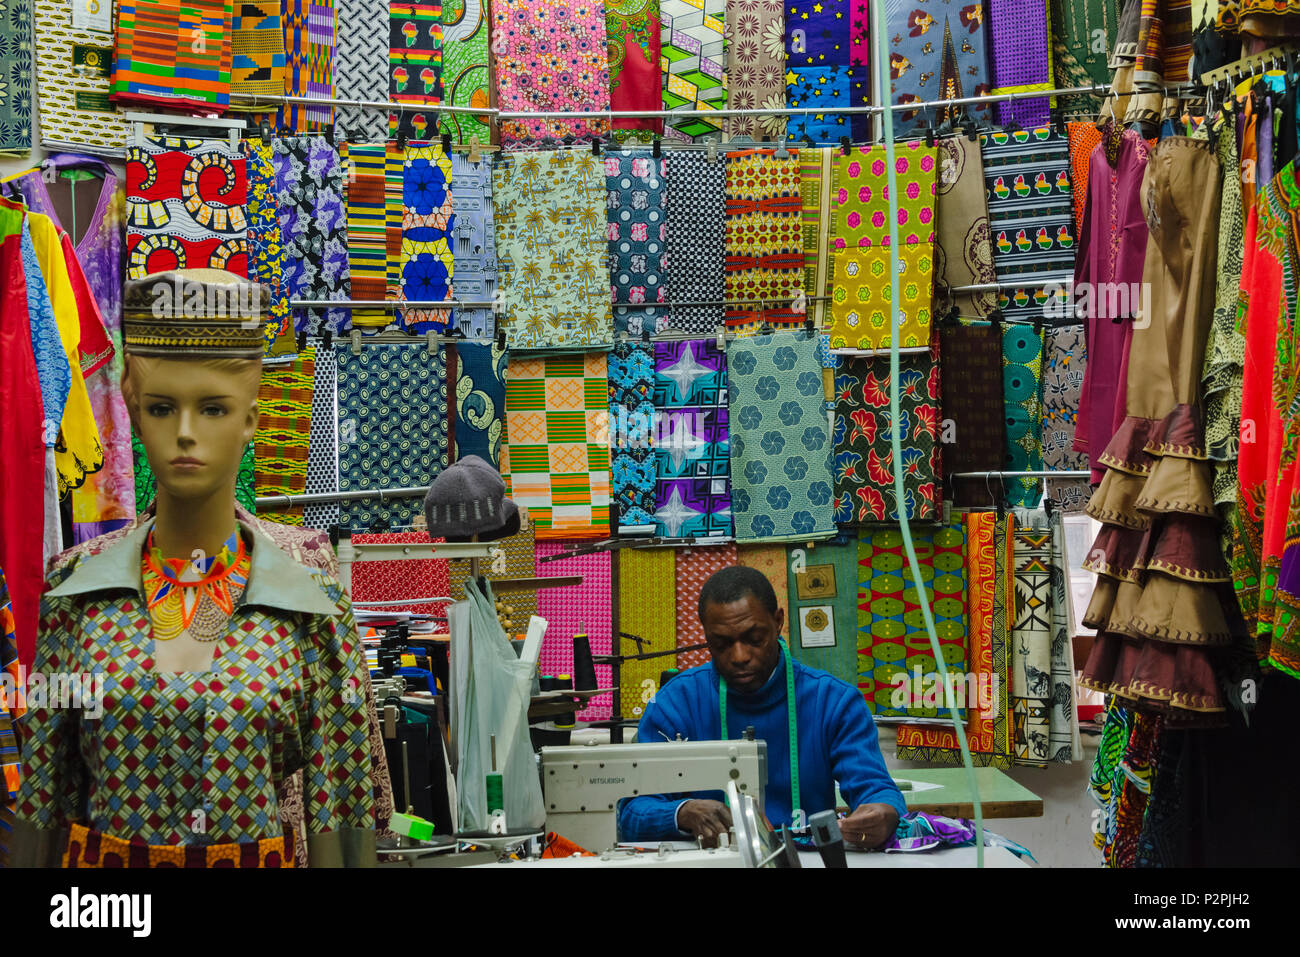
<point x="647" y="595"/>
<point x="283" y="436"/>
<point x="94" y="849"/>
<point x="771" y="561"/>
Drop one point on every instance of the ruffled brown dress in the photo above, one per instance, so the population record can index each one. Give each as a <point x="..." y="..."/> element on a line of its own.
<point x="1157" y="606"/>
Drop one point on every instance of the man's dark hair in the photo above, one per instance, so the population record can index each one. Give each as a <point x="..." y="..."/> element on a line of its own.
<point x="734" y="583"/>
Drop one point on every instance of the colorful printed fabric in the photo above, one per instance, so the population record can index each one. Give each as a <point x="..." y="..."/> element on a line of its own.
<point x="781" y="471"/>
<point x="556" y="461"/>
<point x="392" y="428"/>
<point x="517" y="555"/>
<point x="309" y="63"/>
<point x="822" y="590"/>
<point x="1064" y="742"/>
<point x="414" y="67"/>
<point x="692" y="433"/>
<point x="864" y="455"/>
<point x="257" y="49"/>
<point x="695" y="565"/>
<point x="816" y="178"/>
<point x="632" y="427"/>
<point x="771" y="560"/>
<point x="551" y="243"/>
<point x="480" y="401"/>
<point x="367" y="230"/>
<point x="637" y="185"/>
<point x="474" y="248"/>
<point x="583" y="609"/>
<point x="53" y="370"/>
<point x="828" y="50"/>
<point x="1020" y="58"/>
<point x="764" y="236"/>
<point x="1027" y="176"/>
<point x="1164" y="46"/>
<point x="692" y="59"/>
<point x="401" y="580"/>
<point x="323" y="448"/>
<point x="87" y="848"/>
<point x="282" y="440"/>
<point x="363" y="29"/>
<point x="756" y="66"/>
<point x="971" y="378"/>
<point x="73" y="67"/>
<point x="988" y="571"/>
<point x="647" y="608"/>
<point x="465" y="69"/>
<point x="827" y="87"/>
<point x="265" y="246"/>
<point x="554" y="58"/>
<point x="12" y="704"/>
<point x="1065" y="355"/>
<point x="696" y="207"/>
<point x="1031" y="646"/>
<point x="936" y="55"/>
<point x="632" y="29"/>
<point x="860" y="310"/>
<point x="173" y="56"/>
<point x="1082" y="37"/>
<point x="186" y="207"/>
<point x="427" y="227"/>
<point x="963" y="250"/>
<point x="1022" y="363"/>
<point x="313" y="227"/>
<point x="16" y="71"/>
<point x="897" y="672"/>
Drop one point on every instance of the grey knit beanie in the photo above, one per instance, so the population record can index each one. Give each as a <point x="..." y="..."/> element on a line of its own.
<point x="467" y="499"/>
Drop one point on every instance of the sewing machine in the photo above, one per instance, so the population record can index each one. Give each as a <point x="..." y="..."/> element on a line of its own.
<point x="582" y="786"/>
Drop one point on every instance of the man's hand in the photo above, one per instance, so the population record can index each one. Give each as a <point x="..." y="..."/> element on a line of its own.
<point x="704" y="819"/>
<point x="869" y="826"/>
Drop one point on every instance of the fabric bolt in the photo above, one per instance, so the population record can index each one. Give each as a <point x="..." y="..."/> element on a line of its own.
<point x="283" y="437"/>
<point x="1031" y="645"/>
<point x="465" y="69"/>
<point x="428" y="225"/>
<point x="367" y="230"/>
<point x="860" y="305"/>
<point x="692" y="434"/>
<point x="73" y="67"/>
<point x="636" y="189"/>
<point x="694" y="566"/>
<point x="963" y="250"/>
<point x="632" y="428"/>
<point x="764" y="236"/>
<point x="826" y="87"/>
<point x="309" y="41"/>
<point x="474" y="249"/>
<point x="551" y="243"/>
<point x="827" y="46"/>
<point x="897" y="672"/>
<point x="936" y="55"/>
<point x="361" y="43"/>
<point x="174" y="56"/>
<point x="1063" y="364"/>
<point x="265" y="246"/>
<point x="323" y="444"/>
<point x="696" y="207"/>
<point x="392" y="419"/>
<point x="781" y="471"/>
<point x="816" y="180"/>
<point x="480" y="401"/>
<point x="634" y="39"/>
<point x="693" y="64"/>
<point x="313" y="228"/>
<point x="257" y="60"/>
<point x="396" y="581"/>
<point x="1020" y="58"/>
<point x="186" y="207"/>
<point x="414" y="67"/>
<point x="647" y="600"/>
<point x="756" y="66"/>
<point x="1064" y="742"/>
<point x="1022" y="363"/>
<point x="864" y="455"/>
<point x="822" y="611"/>
<point x="551" y="55"/>
<point x="146" y="483"/>
<point x="583" y="609"/>
<point x="556" y="456"/>
<point x="16" y="70"/>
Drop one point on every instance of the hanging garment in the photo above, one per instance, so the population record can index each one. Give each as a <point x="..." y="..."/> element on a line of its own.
<point x="551" y="239"/>
<point x="1020" y="59"/>
<point x="1164" y="44"/>
<point x="816" y="186"/>
<point x="362" y="42"/>
<point x="1022" y="362"/>
<point x="692" y="62"/>
<point x="583" y="609"/>
<point x="864" y="454"/>
<point x="974" y="426"/>
<point x="695" y="565"/>
<point x="827" y="45"/>
<point x="1031" y="645"/>
<point x="16" y="69"/>
<point x="473" y="244"/>
<point x="323" y="445"/>
<point x="647" y="597"/>
<point x="756" y="66"/>
<point x="266" y="251"/>
<point x="309" y="63"/>
<point x="632" y="427"/>
<point x="282" y="439"/>
<point x="480" y="401"/>
<point x="1063" y="368"/>
<point x="257" y="64"/>
<point x="634" y="42"/>
<point x="936" y="55"/>
<point x="556" y="459"/>
<point x="427" y="227"/>
<point x="963" y="251"/>
<point x="781" y="473"/>
<point x="367" y="226"/>
<point x="696" y="207"/>
<point x="692" y="439"/>
<point x="414" y="67"/>
<point x="172" y="56"/>
<point x="73" y="66"/>
<point x="12" y="707"/>
<point x="822" y="594"/>
<point x="764" y="237"/>
<point x="637" y="186"/>
<point x="1083" y="139"/>
<point x="465" y="70"/>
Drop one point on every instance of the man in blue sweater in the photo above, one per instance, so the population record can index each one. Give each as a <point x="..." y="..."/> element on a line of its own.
<point x="836" y="737"/>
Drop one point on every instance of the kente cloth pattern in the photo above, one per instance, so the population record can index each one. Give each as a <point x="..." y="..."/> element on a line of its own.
<point x="1064" y="358"/>
<point x="309" y="39"/>
<point x="171" y="55"/>
<point x="1031" y="646"/>
<point x="309" y="185"/>
<point x="16" y="70"/>
<point x="393" y="417"/>
<point x="362" y="43"/>
<point x="1064" y="742"/>
<point x="265" y="245"/>
<point x="73" y="67"/>
<point x="647" y="608"/>
<point x="428" y="225"/>
<point x="636" y="189"/>
<point x="323" y="447"/>
<point x="897" y="672"/>
<point x="697" y="208"/>
<point x="146" y="484"/>
<point x="283" y="436"/>
<point x="556" y="457"/>
<point x="584" y="609"/>
<point x="860" y="304"/>
<point x="555" y="58"/>
<point x="693" y="63"/>
<point x="1083" y="35"/>
<point x="480" y="401"/>
<point x="633" y="34"/>
<point x="1164" y="45"/>
<point x="764" y="236"/>
<point x="632" y="427"/>
<point x="936" y="54"/>
<point x="963" y="248"/>
<point x="1020" y="59"/>
<point x="186" y="207"/>
<point x="414" y="67"/>
<point x="692" y="434"/>
<point x="1027" y="178"/>
<point x="257" y="60"/>
<point x="367" y="230"/>
<point x="989" y="572"/>
<point x="1022" y="363"/>
<point x="695" y="565"/>
<point x="517" y="551"/>
<point x="828" y="50"/>
<point x="970" y="356"/>
<point x="473" y="245"/>
<point x="94" y="849"/>
<point x="816" y="180"/>
<point x="781" y="481"/>
<point x="549" y="210"/>
<point x="864" y="454"/>
<point x="394" y="190"/>
<point x="398" y="581"/>
<point x="821" y="590"/>
<point x="827" y="87"/>
<point x="465" y="80"/>
<point x="756" y="66"/>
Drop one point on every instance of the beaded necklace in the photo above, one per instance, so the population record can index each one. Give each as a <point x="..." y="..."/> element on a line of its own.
<point x="195" y="597"/>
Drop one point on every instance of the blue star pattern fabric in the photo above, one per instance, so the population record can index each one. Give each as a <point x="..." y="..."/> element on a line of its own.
<point x="830" y="87"/>
<point x="631" y="373"/>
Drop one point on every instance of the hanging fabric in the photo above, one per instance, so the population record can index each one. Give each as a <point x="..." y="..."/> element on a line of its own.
<point x="764" y="236"/>
<point x="695" y="565"/>
<point x="480" y="401"/>
<point x="647" y="597"/>
<point x="827" y="49"/>
<point x="323" y="446"/>
<point x="465" y="69"/>
<point x="73" y="67"/>
<point x="281" y="443"/>
<point x="172" y="56"/>
<point x="696" y="209"/>
<point x="309" y="63"/>
<point x="756" y="66"/>
<point x="363" y="30"/>
<point x="414" y="68"/>
<point x="1020" y="59"/>
<point x="692" y="61"/>
<point x="637" y="187"/>
<point x="16" y="69"/>
<point x="428" y="224"/>
<point x="632" y="428"/>
<point x="936" y="54"/>
<point x="266" y="248"/>
<point x="822" y="595"/>
<point x="634" y="44"/>
<point x="474" y="249"/>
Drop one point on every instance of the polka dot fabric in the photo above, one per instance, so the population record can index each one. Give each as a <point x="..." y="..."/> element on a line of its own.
<point x="323" y="454"/>
<point x="694" y="566"/>
<point x="573" y="610"/>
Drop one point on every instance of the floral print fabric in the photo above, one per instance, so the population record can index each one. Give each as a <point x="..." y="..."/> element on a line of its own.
<point x="764" y="236"/>
<point x="313" y="228"/>
<point x="633" y="31"/>
<point x="427" y="226"/>
<point x="632" y="426"/>
<point x="265" y="247"/>
<point x="464" y="68"/>
<point x="756" y="66"/>
<point x="16" y="72"/>
<point x="636" y="187"/>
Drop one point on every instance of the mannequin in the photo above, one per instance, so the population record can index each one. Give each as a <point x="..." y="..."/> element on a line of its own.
<point x="223" y="666"/>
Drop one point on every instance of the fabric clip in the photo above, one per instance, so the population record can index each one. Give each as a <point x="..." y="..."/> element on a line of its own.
<point x="329" y="135"/>
<point x="474" y="155"/>
<point x="645" y="333"/>
<point x="657" y="150"/>
<point x="266" y="133"/>
<point x="713" y="152"/>
<point x="722" y="338"/>
<point x="302" y="340"/>
<point x="929" y="137"/>
<point x="501" y="338"/>
<point x="595" y="146"/>
<point x="845" y="146"/>
<point x="356" y="342"/>
<point x="446" y="144"/>
<point x="401" y="140"/>
<point x="327" y="339"/>
<point x="431" y="340"/>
